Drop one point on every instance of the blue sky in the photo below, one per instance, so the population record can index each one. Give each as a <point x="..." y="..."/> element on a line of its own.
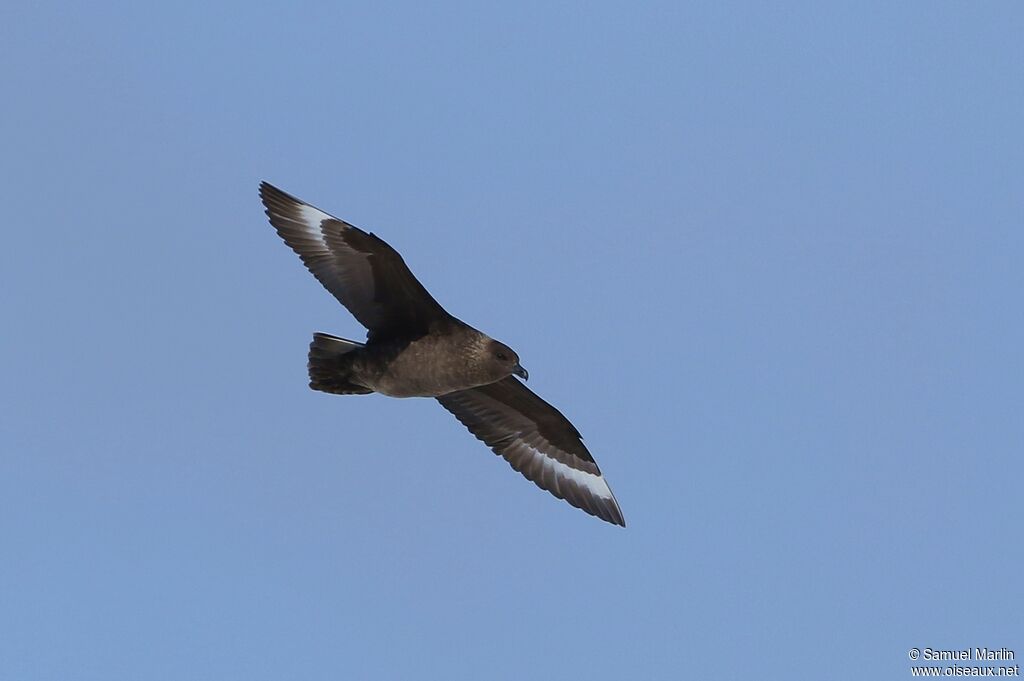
<point x="766" y="258"/>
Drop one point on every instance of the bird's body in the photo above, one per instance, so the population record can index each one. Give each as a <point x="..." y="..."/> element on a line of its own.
<point x="428" y="366"/>
<point x="415" y="348"/>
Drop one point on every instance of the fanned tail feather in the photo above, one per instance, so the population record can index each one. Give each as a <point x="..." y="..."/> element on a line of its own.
<point x="328" y="365"/>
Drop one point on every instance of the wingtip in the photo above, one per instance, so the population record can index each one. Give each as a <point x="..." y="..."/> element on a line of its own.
<point x="616" y="511"/>
<point x="269" y="192"/>
<point x="614" y="515"/>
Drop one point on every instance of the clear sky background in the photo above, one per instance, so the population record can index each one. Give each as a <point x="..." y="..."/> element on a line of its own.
<point x="768" y="259"/>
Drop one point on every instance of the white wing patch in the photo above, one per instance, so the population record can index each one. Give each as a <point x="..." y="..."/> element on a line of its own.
<point x="594" y="484"/>
<point x="312" y="218"/>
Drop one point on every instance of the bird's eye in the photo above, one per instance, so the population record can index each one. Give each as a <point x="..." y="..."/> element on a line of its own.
<point x="502" y="357"/>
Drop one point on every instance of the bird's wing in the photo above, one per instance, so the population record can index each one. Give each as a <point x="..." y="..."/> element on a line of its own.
<point x="362" y="271"/>
<point x="537" y="441"/>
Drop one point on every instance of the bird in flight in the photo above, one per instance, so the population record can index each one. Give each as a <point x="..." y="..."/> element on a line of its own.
<point x="414" y="348"/>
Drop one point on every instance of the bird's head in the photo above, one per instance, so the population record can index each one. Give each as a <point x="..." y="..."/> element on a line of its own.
<point x="503" y="361"/>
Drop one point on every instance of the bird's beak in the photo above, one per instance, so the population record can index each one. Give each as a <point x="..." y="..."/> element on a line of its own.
<point x="521" y="372"/>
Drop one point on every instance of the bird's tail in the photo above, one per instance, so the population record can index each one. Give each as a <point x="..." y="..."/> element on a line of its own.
<point x="328" y="370"/>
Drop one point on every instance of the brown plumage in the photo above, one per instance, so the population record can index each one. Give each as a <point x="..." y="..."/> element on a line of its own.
<point x="414" y="348"/>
